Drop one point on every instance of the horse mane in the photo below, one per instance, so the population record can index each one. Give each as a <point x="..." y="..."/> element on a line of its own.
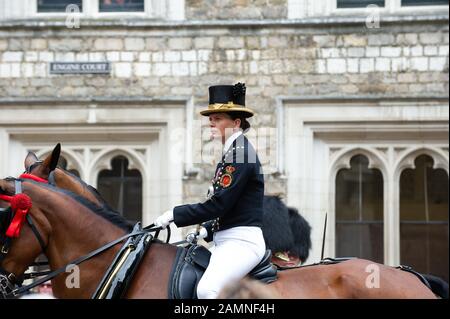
<point x="103" y="212"/>
<point x="105" y="206"/>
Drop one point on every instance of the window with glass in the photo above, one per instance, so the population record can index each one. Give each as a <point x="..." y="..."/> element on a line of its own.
<point x="121" y="5"/>
<point x="342" y="4"/>
<point x="359" y="211"/>
<point x="122" y="189"/>
<point x="57" y="5"/>
<point x="424" y="218"/>
<point x="410" y="3"/>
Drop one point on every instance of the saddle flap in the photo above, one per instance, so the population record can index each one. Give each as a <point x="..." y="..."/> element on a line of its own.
<point x="200" y="255"/>
<point x="265" y="271"/>
<point x="120" y="273"/>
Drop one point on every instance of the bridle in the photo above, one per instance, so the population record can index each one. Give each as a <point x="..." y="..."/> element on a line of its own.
<point x="8" y="280"/>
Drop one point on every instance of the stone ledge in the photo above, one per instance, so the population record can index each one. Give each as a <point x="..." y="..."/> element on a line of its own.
<point x="151" y="23"/>
<point x="94" y="99"/>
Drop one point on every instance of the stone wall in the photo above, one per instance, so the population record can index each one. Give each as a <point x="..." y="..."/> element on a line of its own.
<point x="236" y="9"/>
<point x="400" y="59"/>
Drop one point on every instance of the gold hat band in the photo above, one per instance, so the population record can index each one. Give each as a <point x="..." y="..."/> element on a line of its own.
<point x="219" y="106"/>
<point x="226" y="107"/>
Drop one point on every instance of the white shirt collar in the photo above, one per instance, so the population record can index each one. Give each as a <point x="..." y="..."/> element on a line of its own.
<point x="230" y="140"/>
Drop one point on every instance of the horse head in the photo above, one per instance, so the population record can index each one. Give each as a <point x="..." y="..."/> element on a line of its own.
<point x="24" y="233"/>
<point x="42" y="218"/>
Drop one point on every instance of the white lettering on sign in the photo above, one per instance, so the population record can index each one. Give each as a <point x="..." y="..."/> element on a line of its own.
<point x="80" y="67"/>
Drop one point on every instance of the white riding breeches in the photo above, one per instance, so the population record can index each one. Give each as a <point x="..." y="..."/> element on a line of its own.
<point x="235" y="253"/>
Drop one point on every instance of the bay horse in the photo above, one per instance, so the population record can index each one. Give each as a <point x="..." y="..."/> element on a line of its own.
<point x="71" y="228"/>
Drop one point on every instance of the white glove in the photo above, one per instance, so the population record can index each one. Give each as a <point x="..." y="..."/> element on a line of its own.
<point x="194" y="235"/>
<point x="203" y="233"/>
<point x="165" y="219"/>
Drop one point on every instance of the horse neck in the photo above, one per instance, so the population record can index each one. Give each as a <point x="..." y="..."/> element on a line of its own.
<point x="71" y="183"/>
<point x="75" y="231"/>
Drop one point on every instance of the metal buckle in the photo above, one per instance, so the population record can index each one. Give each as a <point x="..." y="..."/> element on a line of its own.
<point x="4" y="283"/>
<point x="5" y="249"/>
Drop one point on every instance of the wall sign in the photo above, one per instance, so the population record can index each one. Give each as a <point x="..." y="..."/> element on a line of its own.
<point x="80" y="67"/>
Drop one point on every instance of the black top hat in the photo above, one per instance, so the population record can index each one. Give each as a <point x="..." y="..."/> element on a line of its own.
<point x="226" y="99"/>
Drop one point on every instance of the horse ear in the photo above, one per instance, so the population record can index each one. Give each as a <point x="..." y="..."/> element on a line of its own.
<point x="30" y="159"/>
<point x="52" y="160"/>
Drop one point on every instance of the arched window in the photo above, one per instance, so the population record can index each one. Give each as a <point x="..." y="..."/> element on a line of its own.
<point x="122" y="189"/>
<point x="62" y="162"/>
<point x="359" y="211"/>
<point x="424" y="218"/>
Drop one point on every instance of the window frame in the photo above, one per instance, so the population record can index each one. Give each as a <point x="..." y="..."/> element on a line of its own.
<point x="91" y="10"/>
<point x="298" y="9"/>
<point x="390" y="6"/>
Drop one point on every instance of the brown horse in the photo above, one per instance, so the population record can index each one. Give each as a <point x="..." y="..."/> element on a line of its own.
<point x="70" y="229"/>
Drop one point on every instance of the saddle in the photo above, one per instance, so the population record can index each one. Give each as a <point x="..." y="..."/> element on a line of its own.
<point x="115" y="282"/>
<point x="192" y="261"/>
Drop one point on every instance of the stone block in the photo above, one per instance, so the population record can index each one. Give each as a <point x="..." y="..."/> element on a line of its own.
<point x="382" y="65"/>
<point x="439" y="64"/>
<point x="126" y="56"/>
<point x="172" y="56"/>
<point x="336" y="65"/>
<point x="367" y="65"/>
<point x="356" y="52"/>
<point x="31" y="56"/>
<point x="161" y="69"/>
<point x="353" y="65"/>
<point x="113" y="56"/>
<point x="5" y="70"/>
<point x="419" y="64"/>
<point x="381" y="39"/>
<point x="180" y="69"/>
<point x="3" y="44"/>
<point x="417" y="50"/>
<point x="430" y="50"/>
<point x="134" y="44"/>
<point x="155" y="44"/>
<point x="122" y="70"/>
<point x="231" y="42"/>
<point x="46" y="56"/>
<point x="189" y="56"/>
<point x="108" y="44"/>
<point x="353" y="40"/>
<point x="430" y="38"/>
<point x="12" y="56"/>
<point x="142" y="69"/>
<point x="372" y="52"/>
<point x="391" y="51"/>
<point x="443" y="50"/>
<point x="204" y="42"/>
<point x="67" y="44"/>
<point x="180" y="43"/>
<point x="39" y="44"/>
